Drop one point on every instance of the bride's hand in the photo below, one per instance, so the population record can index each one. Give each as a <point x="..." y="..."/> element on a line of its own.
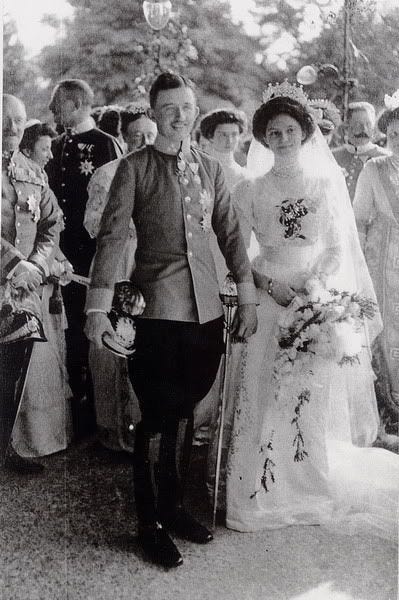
<point x="282" y="293"/>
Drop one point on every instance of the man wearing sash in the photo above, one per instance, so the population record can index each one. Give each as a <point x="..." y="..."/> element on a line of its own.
<point x="29" y="234"/>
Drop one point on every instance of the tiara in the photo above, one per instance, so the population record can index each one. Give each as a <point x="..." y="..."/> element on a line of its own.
<point x="322" y="103"/>
<point x="137" y="109"/>
<point x="290" y="90"/>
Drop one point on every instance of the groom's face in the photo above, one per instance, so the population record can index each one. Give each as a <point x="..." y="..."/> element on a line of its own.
<point x="175" y="112"/>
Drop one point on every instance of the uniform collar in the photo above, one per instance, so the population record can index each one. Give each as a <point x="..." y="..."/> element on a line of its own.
<point x="166" y="147"/>
<point x="82" y="127"/>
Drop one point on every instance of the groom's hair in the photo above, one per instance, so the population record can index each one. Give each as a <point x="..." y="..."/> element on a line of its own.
<point x="282" y="105"/>
<point x="168" y="81"/>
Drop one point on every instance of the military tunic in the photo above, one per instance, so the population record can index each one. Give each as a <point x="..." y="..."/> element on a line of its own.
<point x="174" y="269"/>
<point x="29" y="231"/>
<point x="76" y="157"/>
<point x="179" y="337"/>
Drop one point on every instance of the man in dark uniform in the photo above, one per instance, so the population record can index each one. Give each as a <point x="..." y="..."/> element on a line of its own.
<point x="29" y="234"/>
<point x="78" y="152"/>
<point x="176" y="196"/>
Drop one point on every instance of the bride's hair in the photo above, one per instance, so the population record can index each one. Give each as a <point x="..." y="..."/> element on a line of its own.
<point x="282" y="105"/>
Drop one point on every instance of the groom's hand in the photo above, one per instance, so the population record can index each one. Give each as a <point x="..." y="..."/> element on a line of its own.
<point x="245" y="322"/>
<point x="97" y="323"/>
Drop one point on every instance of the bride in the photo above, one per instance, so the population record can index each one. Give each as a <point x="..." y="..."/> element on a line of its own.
<point x="295" y="455"/>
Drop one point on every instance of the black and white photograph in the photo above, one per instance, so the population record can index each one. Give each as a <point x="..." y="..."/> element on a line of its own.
<point x="199" y="300"/>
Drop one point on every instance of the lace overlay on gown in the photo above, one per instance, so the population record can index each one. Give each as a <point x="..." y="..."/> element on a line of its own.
<point x="298" y="234"/>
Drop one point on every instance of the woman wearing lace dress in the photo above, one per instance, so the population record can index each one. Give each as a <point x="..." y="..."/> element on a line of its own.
<point x="116" y="404"/>
<point x="376" y="208"/>
<point x="291" y="458"/>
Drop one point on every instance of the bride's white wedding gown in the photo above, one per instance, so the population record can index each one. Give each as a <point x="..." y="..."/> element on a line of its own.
<point x="339" y="483"/>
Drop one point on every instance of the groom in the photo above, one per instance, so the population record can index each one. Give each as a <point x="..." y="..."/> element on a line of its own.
<point x="175" y="196"/>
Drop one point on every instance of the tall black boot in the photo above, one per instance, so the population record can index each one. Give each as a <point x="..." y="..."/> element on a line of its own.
<point x="153" y="539"/>
<point x="174" y="463"/>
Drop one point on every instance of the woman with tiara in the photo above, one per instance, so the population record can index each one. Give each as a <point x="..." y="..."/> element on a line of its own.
<point x="292" y="459"/>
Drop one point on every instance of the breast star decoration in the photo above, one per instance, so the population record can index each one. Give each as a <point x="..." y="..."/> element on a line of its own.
<point x="33" y="203"/>
<point x="86" y="167"/>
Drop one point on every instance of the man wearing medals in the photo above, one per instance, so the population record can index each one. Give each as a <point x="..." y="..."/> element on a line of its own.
<point x="176" y="195"/>
<point x="77" y="153"/>
<point x="359" y="147"/>
<point x="29" y="234"/>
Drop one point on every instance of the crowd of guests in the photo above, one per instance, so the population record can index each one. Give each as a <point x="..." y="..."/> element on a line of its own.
<point x="61" y="191"/>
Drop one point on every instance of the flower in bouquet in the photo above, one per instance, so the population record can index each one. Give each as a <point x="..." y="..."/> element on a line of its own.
<point x="316" y="290"/>
<point x="346" y="340"/>
<point x="318" y="324"/>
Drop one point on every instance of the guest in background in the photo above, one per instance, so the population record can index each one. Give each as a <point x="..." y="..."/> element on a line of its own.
<point x="138" y="130"/>
<point x="221" y="128"/>
<point x="358" y="147"/>
<point x="116" y="405"/>
<point x="110" y="122"/>
<point x="327" y="117"/>
<point x="77" y="154"/>
<point x="376" y="208"/>
<point x="29" y="234"/>
<point x="43" y="425"/>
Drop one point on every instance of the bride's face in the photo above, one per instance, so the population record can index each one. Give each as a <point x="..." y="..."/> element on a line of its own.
<point x="284" y="135"/>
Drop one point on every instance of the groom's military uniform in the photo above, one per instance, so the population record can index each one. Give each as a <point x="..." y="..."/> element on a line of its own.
<point x="179" y="337"/>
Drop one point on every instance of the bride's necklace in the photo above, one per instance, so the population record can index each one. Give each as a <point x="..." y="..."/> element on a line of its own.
<point x="287" y="171"/>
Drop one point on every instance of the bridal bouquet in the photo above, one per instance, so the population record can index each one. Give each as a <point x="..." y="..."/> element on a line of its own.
<point x="326" y="323"/>
<point x="319" y="323"/>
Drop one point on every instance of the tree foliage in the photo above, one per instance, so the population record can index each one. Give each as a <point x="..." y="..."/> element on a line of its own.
<point x="373" y="57"/>
<point x="110" y="45"/>
<point x="21" y="77"/>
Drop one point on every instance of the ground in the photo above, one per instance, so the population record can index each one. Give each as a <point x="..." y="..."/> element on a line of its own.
<point x="70" y="535"/>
